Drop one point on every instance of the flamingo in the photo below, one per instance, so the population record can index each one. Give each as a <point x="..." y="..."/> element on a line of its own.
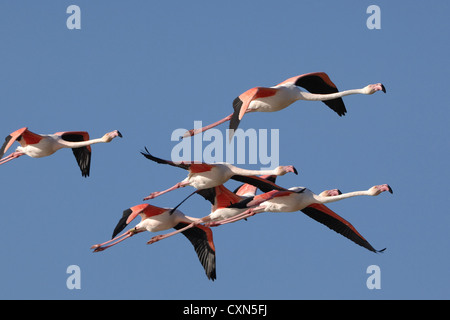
<point x="225" y="205"/>
<point x="43" y="145"/>
<point x="303" y="199"/>
<point x="154" y="219"/>
<point x="203" y="175"/>
<point x="263" y="99"/>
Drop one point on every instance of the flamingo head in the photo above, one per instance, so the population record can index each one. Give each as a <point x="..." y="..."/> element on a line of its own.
<point x="376" y="190"/>
<point x="111" y="135"/>
<point x="282" y="170"/>
<point x="372" y="88"/>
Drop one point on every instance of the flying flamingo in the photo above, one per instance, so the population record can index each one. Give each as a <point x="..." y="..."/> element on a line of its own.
<point x="204" y="175"/>
<point x="303" y="199"/>
<point x="154" y="219"/>
<point x="263" y="99"/>
<point x="43" y="145"/>
<point x="225" y="205"/>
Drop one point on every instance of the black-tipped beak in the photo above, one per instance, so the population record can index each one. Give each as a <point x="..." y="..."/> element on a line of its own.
<point x="295" y="171"/>
<point x="120" y="135"/>
<point x="383" y="88"/>
<point x="390" y="189"/>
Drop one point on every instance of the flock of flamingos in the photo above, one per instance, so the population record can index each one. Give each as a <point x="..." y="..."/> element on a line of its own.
<point x="209" y="179"/>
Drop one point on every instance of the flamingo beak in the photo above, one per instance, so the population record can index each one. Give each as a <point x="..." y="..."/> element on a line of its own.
<point x="383" y="88"/>
<point x="119" y="134"/>
<point x="291" y="169"/>
<point x="390" y="189"/>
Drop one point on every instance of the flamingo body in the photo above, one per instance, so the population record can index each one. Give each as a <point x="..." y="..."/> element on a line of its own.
<point x="226" y="204"/>
<point x="216" y="175"/>
<point x="295" y="199"/>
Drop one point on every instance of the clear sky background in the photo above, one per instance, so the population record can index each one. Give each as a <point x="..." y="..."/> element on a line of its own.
<point x="147" y="68"/>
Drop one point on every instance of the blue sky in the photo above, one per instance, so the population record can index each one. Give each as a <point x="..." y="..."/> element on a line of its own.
<point x="148" y="68"/>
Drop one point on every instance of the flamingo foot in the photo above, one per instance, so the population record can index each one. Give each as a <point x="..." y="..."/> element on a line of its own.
<point x="99" y="249"/>
<point x="156" y="239"/>
<point x="12" y="156"/>
<point x="152" y="195"/>
<point x="191" y="133"/>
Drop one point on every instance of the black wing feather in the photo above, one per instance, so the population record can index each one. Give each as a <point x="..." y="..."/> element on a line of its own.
<point x="82" y="155"/>
<point x="2" y="150"/>
<point x="209" y="194"/>
<point x="315" y="84"/>
<point x="234" y="121"/>
<point x="343" y="228"/>
<point x="262" y="184"/>
<point x="206" y="254"/>
<point x="162" y="161"/>
<point x="122" y="222"/>
<point x="272" y="179"/>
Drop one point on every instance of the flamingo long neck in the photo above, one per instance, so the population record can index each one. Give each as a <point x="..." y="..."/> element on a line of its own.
<point x="80" y="144"/>
<point x="330" y="96"/>
<point x="342" y="196"/>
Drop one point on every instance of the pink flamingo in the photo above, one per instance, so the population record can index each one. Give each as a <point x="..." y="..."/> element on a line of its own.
<point x="203" y="175"/>
<point x="154" y="219"/>
<point x="263" y="99"/>
<point x="303" y="199"/>
<point x="43" y="145"/>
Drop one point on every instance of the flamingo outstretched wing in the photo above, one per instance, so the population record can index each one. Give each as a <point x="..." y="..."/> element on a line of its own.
<point x="28" y="136"/>
<point x="82" y="154"/>
<point x="319" y="83"/>
<point x="201" y="238"/>
<point x="324" y="215"/>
